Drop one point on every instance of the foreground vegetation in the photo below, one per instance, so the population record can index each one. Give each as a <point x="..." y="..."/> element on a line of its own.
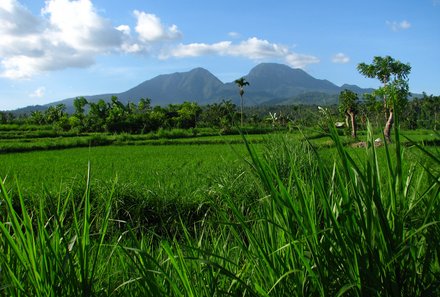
<point x="290" y="223"/>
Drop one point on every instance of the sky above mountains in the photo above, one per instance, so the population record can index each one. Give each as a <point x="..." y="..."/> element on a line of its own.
<point x="56" y="49"/>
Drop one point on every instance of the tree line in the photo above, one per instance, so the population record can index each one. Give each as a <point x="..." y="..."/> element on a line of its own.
<point x="140" y="117"/>
<point x="115" y="117"/>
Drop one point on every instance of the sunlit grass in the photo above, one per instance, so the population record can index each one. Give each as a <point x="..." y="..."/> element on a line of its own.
<point x="289" y="221"/>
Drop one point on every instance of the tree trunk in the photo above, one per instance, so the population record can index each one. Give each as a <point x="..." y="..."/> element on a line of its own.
<point x="388" y="126"/>
<point x="241" y="109"/>
<point x="385" y="108"/>
<point x="353" y="124"/>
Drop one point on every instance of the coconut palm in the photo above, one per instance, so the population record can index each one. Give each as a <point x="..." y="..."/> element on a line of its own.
<point x="393" y="74"/>
<point x="241" y="83"/>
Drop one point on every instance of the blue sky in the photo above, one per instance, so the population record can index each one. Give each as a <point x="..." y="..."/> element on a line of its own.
<point x="55" y="49"/>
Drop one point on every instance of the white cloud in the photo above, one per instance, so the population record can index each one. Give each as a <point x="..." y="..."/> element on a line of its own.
<point x="340" y="58"/>
<point x="69" y="33"/>
<point x="124" y="29"/>
<point x="252" y="48"/>
<point x="300" y="60"/>
<point x="16" y="19"/>
<point x="234" y="34"/>
<point x="196" y="50"/>
<point x="397" y="26"/>
<point x="72" y="33"/>
<point x="66" y="34"/>
<point x="76" y="24"/>
<point x="39" y="92"/>
<point x="150" y="28"/>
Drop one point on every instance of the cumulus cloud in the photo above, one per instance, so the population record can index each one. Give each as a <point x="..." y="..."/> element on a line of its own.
<point x="68" y="33"/>
<point x="39" y="92"/>
<point x="252" y="48"/>
<point x="196" y="50"/>
<point x="72" y="33"/>
<point x="76" y="24"/>
<point x="150" y="28"/>
<point x="16" y="19"/>
<point x="340" y="58"/>
<point x="397" y="26"/>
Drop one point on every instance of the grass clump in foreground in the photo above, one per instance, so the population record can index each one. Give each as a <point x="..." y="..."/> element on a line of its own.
<point x="317" y="229"/>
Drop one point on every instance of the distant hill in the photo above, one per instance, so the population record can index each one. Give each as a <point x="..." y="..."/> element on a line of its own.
<point x="270" y="83"/>
<point x="197" y="85"/>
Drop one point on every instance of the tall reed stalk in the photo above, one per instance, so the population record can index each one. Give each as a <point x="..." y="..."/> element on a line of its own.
<point x="51" y="251"/>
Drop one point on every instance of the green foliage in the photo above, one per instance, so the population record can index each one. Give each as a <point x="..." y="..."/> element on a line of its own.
<point x="348" y="102"/>
<point x="385" y="69"/>
<point x="422" y="113"/>
<point x="349" y="106"/>
<point x="47" y="254"/>
<point x="394" y="76"/>
<point x="295" y="221"/>
<point x="142" y="118"/>
<point x="79" y="103"/>
<point x="221" y="115"/>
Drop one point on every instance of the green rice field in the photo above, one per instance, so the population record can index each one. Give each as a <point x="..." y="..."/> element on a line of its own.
<point x="272" y="215"/>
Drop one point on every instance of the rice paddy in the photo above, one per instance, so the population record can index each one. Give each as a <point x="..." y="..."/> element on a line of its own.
<point x="280" y="217"/>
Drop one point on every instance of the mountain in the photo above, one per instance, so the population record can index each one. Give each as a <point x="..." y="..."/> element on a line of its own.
<point x="270" y="83"/>
<point x="283" y="81"/>
<point x="197" y="85"/>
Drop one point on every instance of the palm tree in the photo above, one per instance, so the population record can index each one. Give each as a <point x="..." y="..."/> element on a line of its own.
<point x="388" y="70"/>
<point x="241" y="82"/>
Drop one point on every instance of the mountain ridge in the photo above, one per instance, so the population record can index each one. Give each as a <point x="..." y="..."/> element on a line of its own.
<point x="269" y="83"/>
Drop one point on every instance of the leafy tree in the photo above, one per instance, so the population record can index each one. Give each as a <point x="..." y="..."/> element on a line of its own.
<point x="116" y="117"/>
<point x="3" y="118"/>
<point x="348" y="105"/>
<point x="221" y="114"/>
<point x="188" y="114"/>
<point x="76" y="124"/>
<point x="429" y="111"/>
<point x="142" y="115"/>
<point x="144" y="105"/>
<point x="241" y="83"/>
<point x="393" y="74"/>
<point x="55" y="113"/>
<point x="158" y="118"/>
<point x="171" y="115"/>
<point x="37" y="117"/>
<point x="79" y="103"/>
<point x="77" y="120"/>
<point x="372" y="107"/>
<point x="97" y="115"/>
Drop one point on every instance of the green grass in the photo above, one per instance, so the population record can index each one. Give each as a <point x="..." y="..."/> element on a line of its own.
<point x="362" y="222"/>
<point x="29" y="142"/>
<point x="156" y="184"/>
<point x="150" y="167"/>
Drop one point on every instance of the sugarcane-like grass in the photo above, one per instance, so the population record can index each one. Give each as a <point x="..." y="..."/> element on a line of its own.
<point x="355" y="226"/>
